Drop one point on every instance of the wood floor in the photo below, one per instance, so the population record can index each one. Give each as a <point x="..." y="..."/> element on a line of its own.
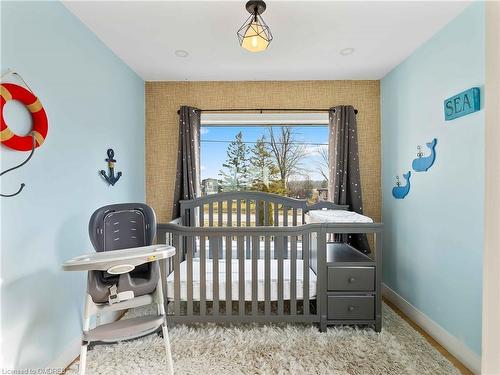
<point x="459" y="365"/>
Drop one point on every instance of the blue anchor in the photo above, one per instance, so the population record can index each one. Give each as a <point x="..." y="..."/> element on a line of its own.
<point x="398" y="191"/>
<point x="111" y="179"/>
<point x="422" y="164"/>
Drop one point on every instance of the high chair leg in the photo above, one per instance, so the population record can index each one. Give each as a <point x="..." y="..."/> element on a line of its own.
<point x="166" y="340"/>
<point x="164" y="328"/>
<point x="83" y="359"/>
<point x="85" y="328"/>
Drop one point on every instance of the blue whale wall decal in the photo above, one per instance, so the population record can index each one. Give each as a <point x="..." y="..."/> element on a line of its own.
<point x="398" y="191"/>
<point x="422" y="164"/>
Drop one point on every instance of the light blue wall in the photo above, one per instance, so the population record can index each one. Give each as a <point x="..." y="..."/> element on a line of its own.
<point x="93" y="101"/>
<point x="434" y="237"/>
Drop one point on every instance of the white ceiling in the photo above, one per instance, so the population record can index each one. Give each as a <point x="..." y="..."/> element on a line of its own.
<point x="308" y="37"/>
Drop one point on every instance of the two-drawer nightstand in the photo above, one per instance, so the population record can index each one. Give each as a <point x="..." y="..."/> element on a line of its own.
<point x="353" y="287"/>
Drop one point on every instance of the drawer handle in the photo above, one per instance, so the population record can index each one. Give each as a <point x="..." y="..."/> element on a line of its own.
<point x="352" y="308"/>
<point x="351" y="279"/>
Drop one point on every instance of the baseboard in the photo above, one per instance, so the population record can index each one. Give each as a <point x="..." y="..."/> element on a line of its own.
<point x="67" y="357"/>
<point x="457" y="348"/>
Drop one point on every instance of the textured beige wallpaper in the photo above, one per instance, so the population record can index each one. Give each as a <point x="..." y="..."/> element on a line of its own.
<point x="163" y="99"/>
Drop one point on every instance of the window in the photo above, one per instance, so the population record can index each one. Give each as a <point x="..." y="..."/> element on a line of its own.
<point x="286" y="155"/>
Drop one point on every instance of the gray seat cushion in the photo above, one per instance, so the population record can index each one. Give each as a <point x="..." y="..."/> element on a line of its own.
<point x="122" y="226"/>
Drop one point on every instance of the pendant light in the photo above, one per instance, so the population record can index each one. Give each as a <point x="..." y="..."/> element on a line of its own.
<point x="255" y="35"/>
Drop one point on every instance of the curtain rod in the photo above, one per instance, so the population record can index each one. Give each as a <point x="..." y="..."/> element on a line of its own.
<point x="268" y="109"/>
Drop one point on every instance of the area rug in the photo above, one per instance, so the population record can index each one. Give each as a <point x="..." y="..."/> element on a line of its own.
<point x="276" y="349"/>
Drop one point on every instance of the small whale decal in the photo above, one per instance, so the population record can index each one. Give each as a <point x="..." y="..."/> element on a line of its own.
<point x="422" y="164"/>
<point x="398" y="191"/>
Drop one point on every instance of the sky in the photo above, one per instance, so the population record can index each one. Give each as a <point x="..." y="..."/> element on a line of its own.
<point x="213" y="154"/>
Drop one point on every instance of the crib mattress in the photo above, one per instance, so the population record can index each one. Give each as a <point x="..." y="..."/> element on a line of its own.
<point x="335" y="216"/>
<point x="248" y="280"/>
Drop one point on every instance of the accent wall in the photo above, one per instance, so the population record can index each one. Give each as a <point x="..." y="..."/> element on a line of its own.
<point x="93" y="101"/>
<point x="433" y="240"/>
<point x="163" y="99"/>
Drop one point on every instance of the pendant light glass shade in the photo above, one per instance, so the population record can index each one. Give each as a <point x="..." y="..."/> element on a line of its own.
<point x="254" y="35"/>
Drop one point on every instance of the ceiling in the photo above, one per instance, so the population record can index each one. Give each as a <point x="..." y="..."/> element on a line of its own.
<point x="308" y="37"/>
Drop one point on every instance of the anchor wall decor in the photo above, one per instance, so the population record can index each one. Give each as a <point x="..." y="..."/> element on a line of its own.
<point x="111" y="179"/>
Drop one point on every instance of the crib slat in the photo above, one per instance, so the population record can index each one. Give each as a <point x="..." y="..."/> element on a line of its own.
<point x="238" y="212"/>
<point x="285" y="224"/>
<point x="202" y="215"/>
<point x="267" y="275"/>
<point x="192" y="217"/>
<point x="203" y="276"/>
<point x="276" y="214"/>
<point x="229" y="281"/>
<point x="257" y="212"/>
<point x="189" y="264"/>
<point x="215" y="248"/>
<point x="249" y="224"/>
<point x="241" y="275"/>
<point x="255" y="253"/>
<point x="220" y="207"/>
<point x="211" y="214"/>
<point x="177" y="272"/>
<point x="280" y="243"/>
<point x="247" y="211"/>
<point x="305" y="257"/>
<point x="229" y="213"/>
<point x="293" y="276"/>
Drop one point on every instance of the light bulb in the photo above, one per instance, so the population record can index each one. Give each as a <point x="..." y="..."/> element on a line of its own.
<point x="254" y="39"/>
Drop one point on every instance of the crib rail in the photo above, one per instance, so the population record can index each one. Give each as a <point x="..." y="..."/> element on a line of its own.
<point x="241" y="253"/>
<point x="243" y="208"/>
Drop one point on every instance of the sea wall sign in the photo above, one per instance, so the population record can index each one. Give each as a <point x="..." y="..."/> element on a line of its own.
<point x="462" y="104"/>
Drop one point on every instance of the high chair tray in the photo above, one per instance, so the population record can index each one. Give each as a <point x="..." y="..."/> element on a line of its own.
<point x="105" y="260"/>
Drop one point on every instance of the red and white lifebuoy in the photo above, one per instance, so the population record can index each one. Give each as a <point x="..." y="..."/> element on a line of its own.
<point x="10" y="91"/>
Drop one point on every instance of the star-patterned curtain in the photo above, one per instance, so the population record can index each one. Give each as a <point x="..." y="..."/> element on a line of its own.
<point x="344" y="177"/>
<point x="187" y="182"/>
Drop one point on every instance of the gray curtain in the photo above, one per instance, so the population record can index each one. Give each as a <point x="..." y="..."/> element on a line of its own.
<point x="187" y="182"/>
<point x="344" y="177"/>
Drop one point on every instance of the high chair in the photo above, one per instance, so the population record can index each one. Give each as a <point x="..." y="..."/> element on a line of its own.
<point x="123" y="273"/>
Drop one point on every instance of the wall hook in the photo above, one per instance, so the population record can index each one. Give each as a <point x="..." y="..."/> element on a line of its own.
<point x="19" y="166"/>
<point x="111" y="178"/>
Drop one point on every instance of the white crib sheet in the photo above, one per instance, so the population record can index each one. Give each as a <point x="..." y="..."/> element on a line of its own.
<point x="335" y="216"/>
<point x="248" y="280"/>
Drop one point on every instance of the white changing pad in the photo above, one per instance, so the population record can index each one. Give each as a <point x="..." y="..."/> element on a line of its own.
<point x="335" y="216"/>
<point x="248" y="280"/>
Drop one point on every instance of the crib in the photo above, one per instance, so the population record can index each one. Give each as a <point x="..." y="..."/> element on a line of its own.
<point x="250" y="257"/>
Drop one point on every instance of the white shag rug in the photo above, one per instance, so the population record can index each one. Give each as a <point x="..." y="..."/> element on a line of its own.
<point x="276" y="349"/>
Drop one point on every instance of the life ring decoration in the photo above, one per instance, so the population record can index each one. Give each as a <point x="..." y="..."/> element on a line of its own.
<point x="11" y="91"/>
